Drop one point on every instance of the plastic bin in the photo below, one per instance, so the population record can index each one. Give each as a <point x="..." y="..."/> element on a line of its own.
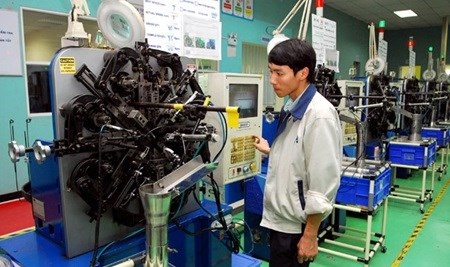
<point x="242" y="260"/>
<point x="440" y="134"/>
<point x="355" y="189"/>
<point x="413" y="153"/>
<point x="254" y="194"/>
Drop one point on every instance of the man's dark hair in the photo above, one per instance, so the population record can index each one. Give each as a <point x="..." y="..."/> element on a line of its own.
<point x="296" y="54"/>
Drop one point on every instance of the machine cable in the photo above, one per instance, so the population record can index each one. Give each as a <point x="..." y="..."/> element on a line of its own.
<point x="100" y="202"/>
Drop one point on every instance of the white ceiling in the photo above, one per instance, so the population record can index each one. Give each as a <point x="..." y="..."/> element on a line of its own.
<point x="430" y="12"/>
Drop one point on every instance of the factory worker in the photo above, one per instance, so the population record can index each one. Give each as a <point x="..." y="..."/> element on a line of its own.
<point x="305" y="158"/>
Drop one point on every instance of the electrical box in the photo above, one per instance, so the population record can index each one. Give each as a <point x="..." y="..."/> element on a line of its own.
<point x="350" y="88"/>
<point x="238" y="157"/>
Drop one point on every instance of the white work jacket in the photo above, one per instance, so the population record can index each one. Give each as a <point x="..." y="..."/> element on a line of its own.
<point x="304" y="164"/>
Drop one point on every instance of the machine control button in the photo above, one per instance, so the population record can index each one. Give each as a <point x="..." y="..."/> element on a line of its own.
<point x="245" y="169"/>
<point x="253" y="166"/>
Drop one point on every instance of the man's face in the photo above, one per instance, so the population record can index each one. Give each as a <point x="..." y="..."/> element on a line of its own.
<point x="283" y="80"/>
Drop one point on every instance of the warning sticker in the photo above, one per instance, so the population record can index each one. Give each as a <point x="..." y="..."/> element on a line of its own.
<point x="67" y="65"/>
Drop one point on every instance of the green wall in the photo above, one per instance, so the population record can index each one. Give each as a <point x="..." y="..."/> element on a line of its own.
<point x="352" y="34"/>
<point x="352" y="40"/>
<point x="398" y="53"/>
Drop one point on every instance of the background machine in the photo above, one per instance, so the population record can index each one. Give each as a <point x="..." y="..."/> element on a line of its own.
<point x="352" y="90"/>
<point x="240" y="159"/>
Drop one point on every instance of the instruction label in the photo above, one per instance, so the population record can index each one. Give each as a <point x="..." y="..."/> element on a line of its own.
<point x="67" y="65"/>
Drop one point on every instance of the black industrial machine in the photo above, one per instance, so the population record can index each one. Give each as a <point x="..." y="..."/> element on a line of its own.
<point x="124" y="119"/>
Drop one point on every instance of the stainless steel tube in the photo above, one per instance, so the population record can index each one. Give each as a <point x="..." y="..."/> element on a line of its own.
<point x="416" y="131"/>
<point x="156" y="209"/>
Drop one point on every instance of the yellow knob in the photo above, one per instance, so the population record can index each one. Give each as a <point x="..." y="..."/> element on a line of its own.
<point x="253" y="166"/>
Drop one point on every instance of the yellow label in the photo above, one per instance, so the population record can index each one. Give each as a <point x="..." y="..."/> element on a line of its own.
<point x="207" y="100"/>
<point x="67" y="65"/>
<point x="233" y="117"/>
<point x="178" y="106"/>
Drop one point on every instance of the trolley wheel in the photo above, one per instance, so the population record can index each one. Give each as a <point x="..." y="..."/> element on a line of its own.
<point x="422" y="211"/>
<point x="383" y="249"/>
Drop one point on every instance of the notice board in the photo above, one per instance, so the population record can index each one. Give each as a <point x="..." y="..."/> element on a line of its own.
<point x="10" y="57"/>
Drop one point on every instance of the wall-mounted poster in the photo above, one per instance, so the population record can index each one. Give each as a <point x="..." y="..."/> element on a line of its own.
<point x="323" y="36"/>
<point x="239" y="8"/>
<point x="248" y="9"/>
<point x="202" y="38"/>
<point x="10" y="56"/>
<point x="167" y="30"/>
<point x="227" y="6"/>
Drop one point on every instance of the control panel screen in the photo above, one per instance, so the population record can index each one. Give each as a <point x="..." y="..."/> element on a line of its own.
<point x="246" y="97"/>
<point x="351" y="90"/>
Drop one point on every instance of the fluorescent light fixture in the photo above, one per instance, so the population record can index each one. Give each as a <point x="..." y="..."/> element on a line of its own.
<point x="405" y="13"/>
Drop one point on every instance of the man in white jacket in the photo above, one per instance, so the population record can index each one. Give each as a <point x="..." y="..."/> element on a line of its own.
<point x="305" y="158"/>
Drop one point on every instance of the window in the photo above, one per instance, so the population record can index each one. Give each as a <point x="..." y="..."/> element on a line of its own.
<point x="38" y="87"/>
<point x="254" y="61"/>
<point x="42" y="32"/>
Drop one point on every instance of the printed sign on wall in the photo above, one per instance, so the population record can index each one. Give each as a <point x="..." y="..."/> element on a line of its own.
<point x="172" y="26"/>
<point x="10" y="56"/>
<point x="238" y="8"/>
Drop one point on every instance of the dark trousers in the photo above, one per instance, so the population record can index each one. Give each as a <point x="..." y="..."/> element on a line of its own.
<point x="283" y="250"/>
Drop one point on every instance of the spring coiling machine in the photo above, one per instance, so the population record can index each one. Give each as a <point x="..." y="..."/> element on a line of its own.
<point x="130" y="145"/>
<point x="412" y="151"/>
<point x="434" y="120"/>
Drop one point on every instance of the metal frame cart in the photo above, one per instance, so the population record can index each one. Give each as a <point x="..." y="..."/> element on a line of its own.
<point x="416" y="155"/>
<point x="442" y="135"/>
<point x="363" y="190"/>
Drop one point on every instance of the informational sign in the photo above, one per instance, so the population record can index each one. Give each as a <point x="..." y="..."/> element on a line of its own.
<point x="248" y="9"/>
<point x="227" y="6"/>
<point x="238" y="8"/>
<point x="165" y="21"/>
<point x="202" y="38"/>
<point x="332" y="59"/>
<point x="67" y="65"/>
<point x="382" y="49"/>
<point x="10" y="56"/>
<point x="323" y="36"/>
<point x="163" y="25"/>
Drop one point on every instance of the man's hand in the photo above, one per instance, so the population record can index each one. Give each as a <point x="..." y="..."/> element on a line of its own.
<point x="261" y="144"/>
<point x="307" y="248"/>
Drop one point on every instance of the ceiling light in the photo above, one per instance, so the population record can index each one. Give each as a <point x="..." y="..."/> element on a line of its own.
<point x="405" y="13"/>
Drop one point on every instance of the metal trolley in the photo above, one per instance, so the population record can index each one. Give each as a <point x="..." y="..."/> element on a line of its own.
<point x="363" y="190"/>
<point x="415" y="155"/>
<point x="442" y="135"/>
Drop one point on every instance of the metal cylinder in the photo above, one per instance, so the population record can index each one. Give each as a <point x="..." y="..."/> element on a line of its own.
<point x="447" y="110"/>
<point x="433" y="116"/>
<point x="361" y="129"/>
<point x="156" y="210"/>
<point x="416" y="129"/>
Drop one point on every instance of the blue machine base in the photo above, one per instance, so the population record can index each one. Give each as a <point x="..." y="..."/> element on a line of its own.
<point x="33" y="249"/>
